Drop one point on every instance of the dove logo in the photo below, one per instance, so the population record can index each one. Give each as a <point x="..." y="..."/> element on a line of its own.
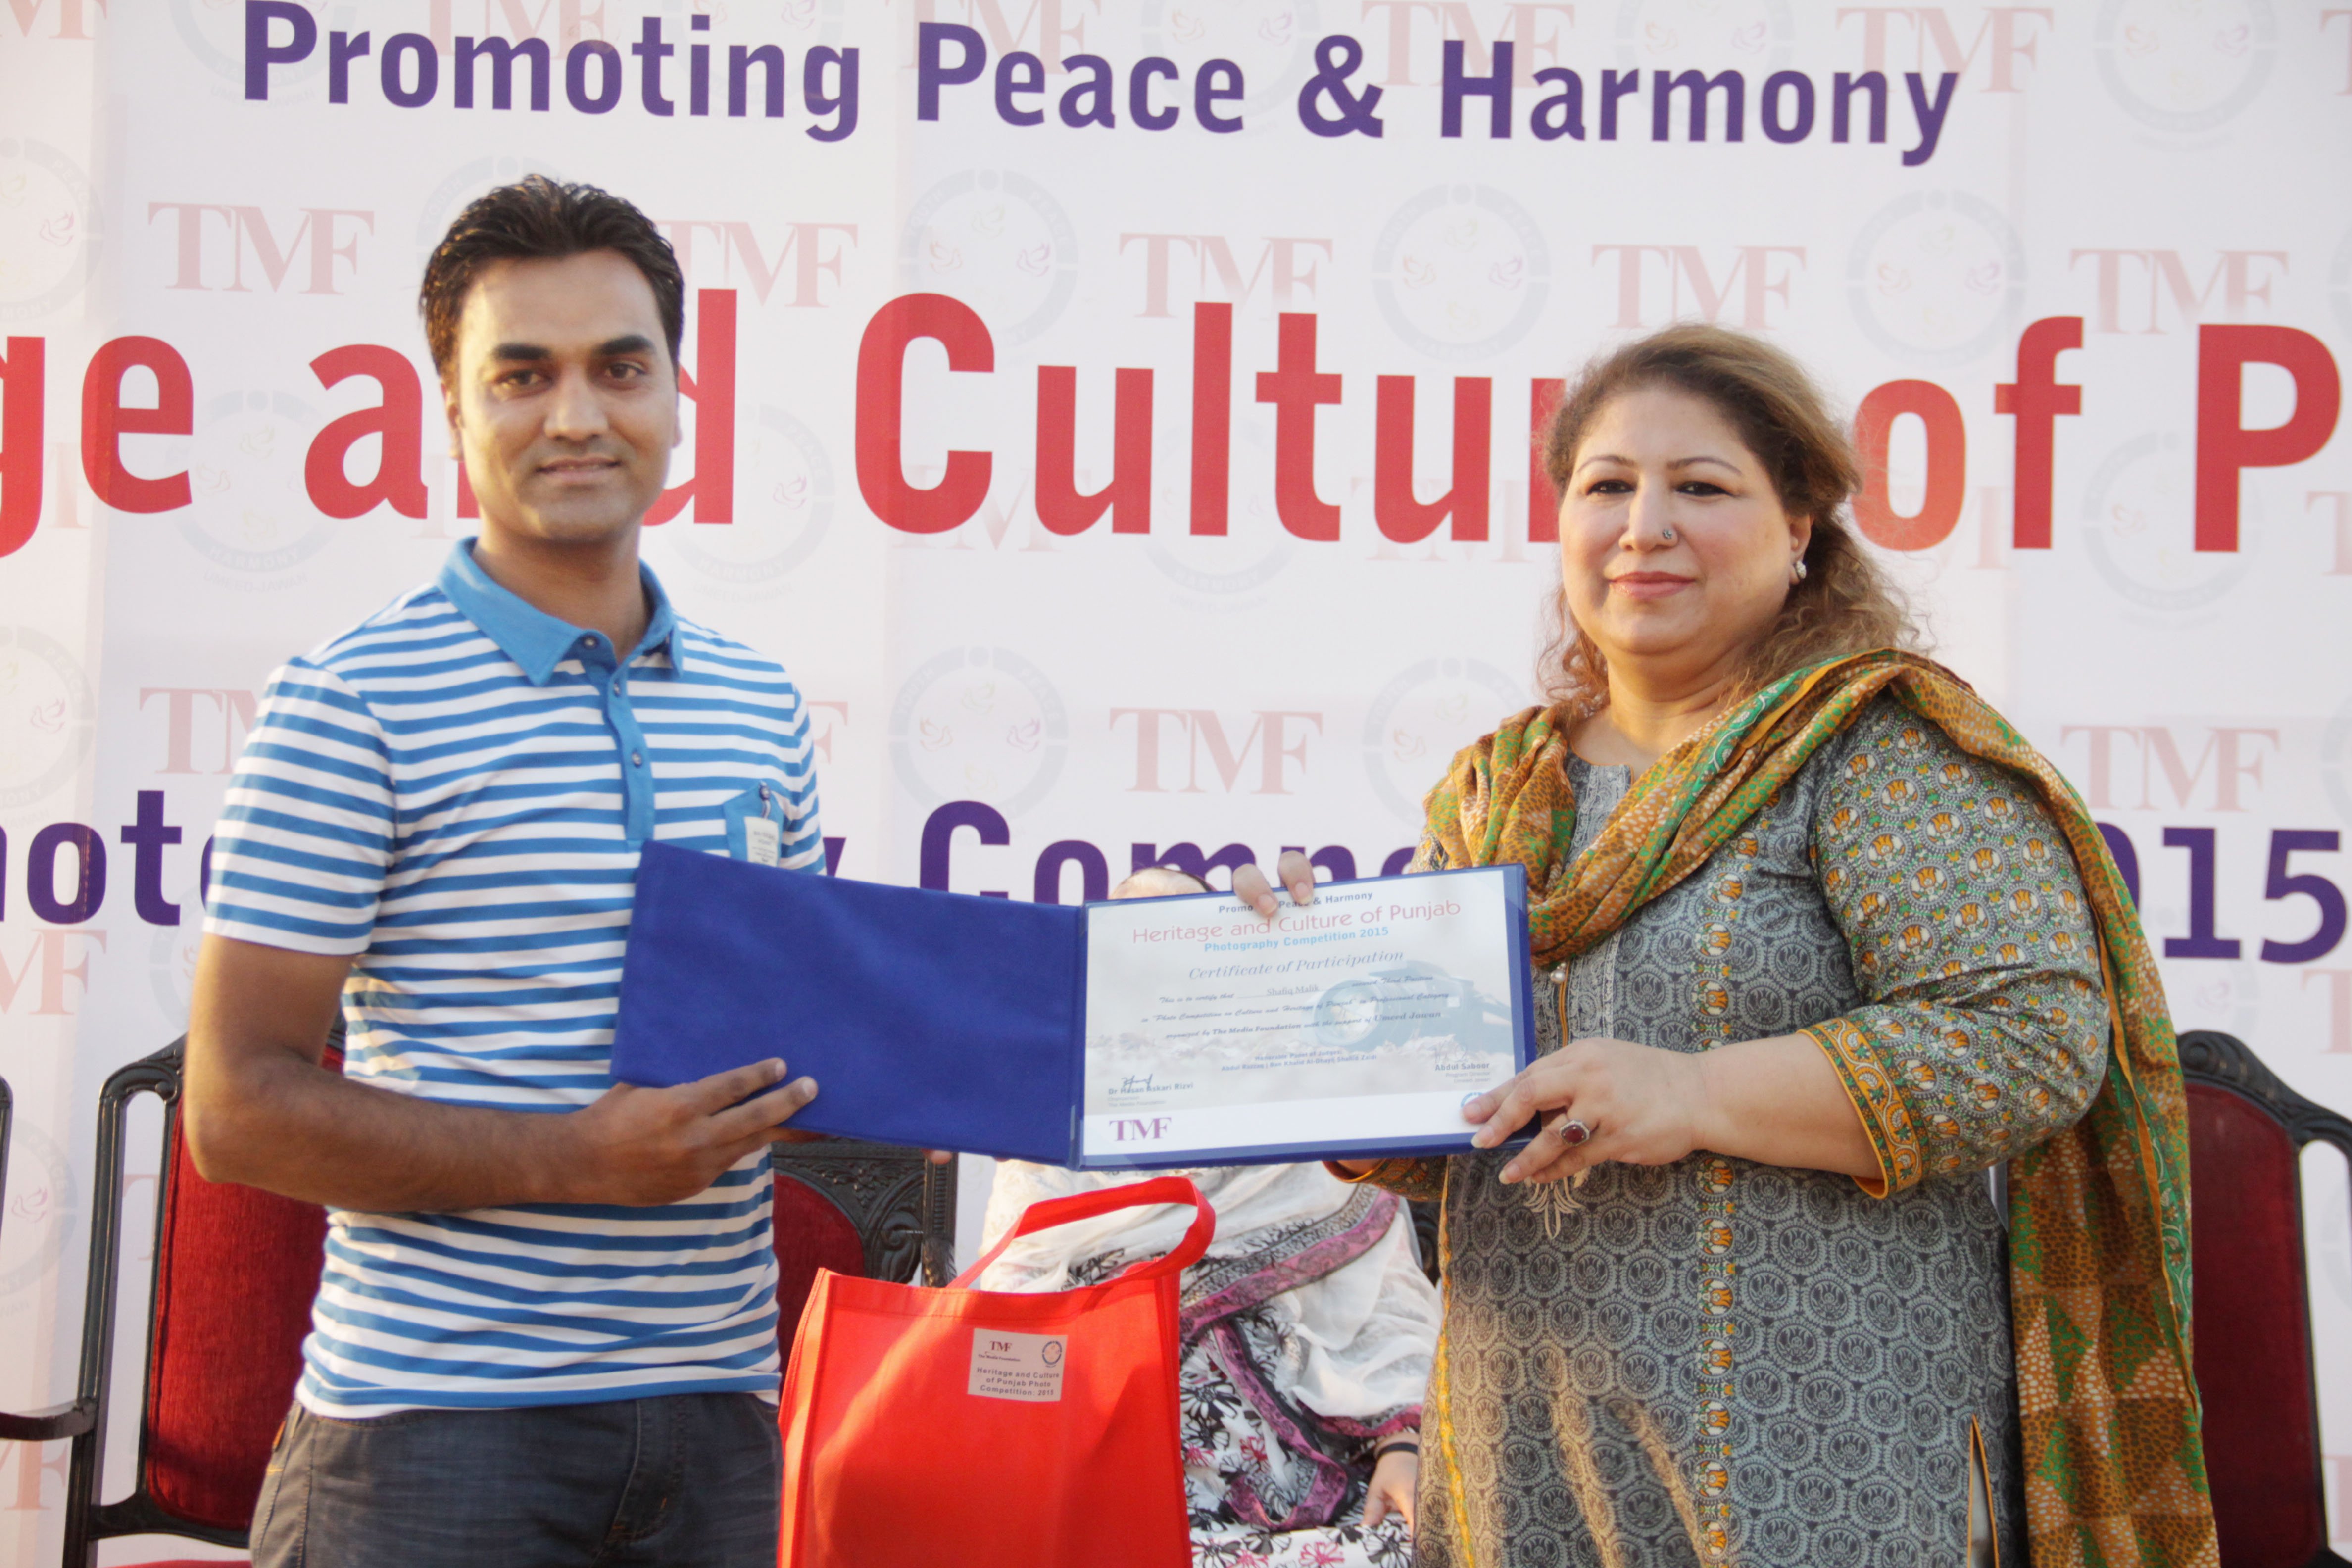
<point x="1460" y="272"/>
<point x="2132" y="537"/>
<point x="786" y="477"/>
<point x="1937" y="277"/>
<point x="244" y="517"/>
<point x="1419" y="719"/>
<point x="999" y="242"/>
<point x="46" y="229"/>
<point x="2180" y="80"/>
<point x="48" y="716"/>
<point x="978" y="724"/>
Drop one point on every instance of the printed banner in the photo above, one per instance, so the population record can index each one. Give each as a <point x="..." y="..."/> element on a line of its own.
<point x="1116" y="415"/>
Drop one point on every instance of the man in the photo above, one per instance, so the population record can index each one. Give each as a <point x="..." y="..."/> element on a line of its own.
<point x="546" y="1330"/>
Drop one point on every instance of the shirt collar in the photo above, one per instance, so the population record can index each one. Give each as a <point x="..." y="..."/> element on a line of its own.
<point x="531" y="636"/>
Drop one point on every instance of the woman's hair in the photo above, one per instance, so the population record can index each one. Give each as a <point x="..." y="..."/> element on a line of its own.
<point x="1845" y="604"/>
<point x="539" y="220"/>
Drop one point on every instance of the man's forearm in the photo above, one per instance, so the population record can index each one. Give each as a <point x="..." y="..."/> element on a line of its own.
<point x="276" y="1122"/>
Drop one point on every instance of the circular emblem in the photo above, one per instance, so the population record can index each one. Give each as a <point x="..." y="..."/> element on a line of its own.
<point x="978" y="724"/>
<point x="2184" y="68"/>
<point x="1752" y="35"/>
<point x="44" y="1208"/>
<point x="1227" y="573"/>
<point x="1431" y="711"/>
<point x="461" y="185"/>
<point x="784" y="499"/>
<point x="1460" y="272"/>
<point x="2135" y="529"/>
<point x="249" y="511"/>
<point x="1050" y="1352"/>
<point x="48" y="719"/>
<point x="1936" y="279"/>
<point x="1274" y="47"/>
<point x="215" y="35"/>
<point x="49" y="229"/>
<point x="1000" y="243"/>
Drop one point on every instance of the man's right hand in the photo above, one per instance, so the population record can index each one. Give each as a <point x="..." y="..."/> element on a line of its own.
<point x="646" y="1146"/>
<point x="258" y="1108"/>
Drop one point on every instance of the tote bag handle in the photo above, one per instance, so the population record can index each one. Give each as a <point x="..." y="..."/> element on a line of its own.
<point x="1087" y="1205"/>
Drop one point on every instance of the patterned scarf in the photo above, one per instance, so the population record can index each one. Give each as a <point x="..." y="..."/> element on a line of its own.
<point x="2098" y="1216"/>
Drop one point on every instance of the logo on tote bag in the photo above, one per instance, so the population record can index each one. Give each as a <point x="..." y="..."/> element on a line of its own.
<point x="1017" y="1366"/>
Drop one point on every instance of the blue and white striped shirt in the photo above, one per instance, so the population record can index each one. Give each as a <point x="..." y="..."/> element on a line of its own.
<point x="455" y="793"/>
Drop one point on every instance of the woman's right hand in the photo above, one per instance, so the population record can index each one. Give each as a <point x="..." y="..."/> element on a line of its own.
<point x="1297" y="872"/>
<point x="1396" y="1476"/>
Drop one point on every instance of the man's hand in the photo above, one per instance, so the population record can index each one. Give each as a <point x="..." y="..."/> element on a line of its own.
<point x="259" y="1108"/>
<point x="1298" y="874"/>
<point x="646" y="1146"/>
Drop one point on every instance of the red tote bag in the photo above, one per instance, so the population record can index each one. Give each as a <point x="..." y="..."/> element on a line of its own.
<point x="961" y="1428"/>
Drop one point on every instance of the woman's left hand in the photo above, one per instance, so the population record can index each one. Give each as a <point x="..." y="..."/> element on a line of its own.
<point x="1394" y="1476"/>
<point x="1636" y="1104"/>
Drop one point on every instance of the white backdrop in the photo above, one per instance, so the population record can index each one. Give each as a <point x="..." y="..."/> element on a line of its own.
<point x="203" y="178"/>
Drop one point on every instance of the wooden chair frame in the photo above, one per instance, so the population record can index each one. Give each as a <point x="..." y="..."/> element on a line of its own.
<point x="2225" y="1062"/>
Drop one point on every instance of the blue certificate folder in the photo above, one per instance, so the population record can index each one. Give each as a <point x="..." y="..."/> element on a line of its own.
<point x="931" y="1019"/>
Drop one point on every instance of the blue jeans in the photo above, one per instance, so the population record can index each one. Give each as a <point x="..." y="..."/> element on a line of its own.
<point x="689" y="1480"/>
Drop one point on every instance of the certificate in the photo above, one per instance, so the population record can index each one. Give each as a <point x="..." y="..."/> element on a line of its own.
<point x="1366" y="1017"/>
<point x="1145" y="1032"/>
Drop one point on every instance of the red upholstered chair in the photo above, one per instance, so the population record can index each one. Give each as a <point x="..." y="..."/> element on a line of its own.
<point x="855" y="1208"/>
<point x="235" y="1269"/>
<point x="234" y="1272"/>
<point x="2251" y="1309"/>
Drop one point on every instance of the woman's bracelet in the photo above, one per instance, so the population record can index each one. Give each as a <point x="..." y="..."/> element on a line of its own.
<point x="1408" y="1446"/>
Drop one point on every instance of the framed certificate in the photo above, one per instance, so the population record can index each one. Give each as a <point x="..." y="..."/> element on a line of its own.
<point x="1361" y="1020"/>
<point x="1142" y="1033"/>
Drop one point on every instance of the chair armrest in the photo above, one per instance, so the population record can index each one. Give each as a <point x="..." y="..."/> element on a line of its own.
<point x="58" y="1421"/>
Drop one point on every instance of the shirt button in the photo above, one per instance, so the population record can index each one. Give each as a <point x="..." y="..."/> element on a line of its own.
<point x="637" y="759"/>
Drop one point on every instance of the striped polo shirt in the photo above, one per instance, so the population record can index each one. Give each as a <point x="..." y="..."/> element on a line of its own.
<point x="455" y="793"/>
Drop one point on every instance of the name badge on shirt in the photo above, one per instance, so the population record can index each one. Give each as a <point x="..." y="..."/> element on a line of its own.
<point x="763" y="840"/>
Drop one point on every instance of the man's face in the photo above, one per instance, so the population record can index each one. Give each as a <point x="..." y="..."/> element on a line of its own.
<point x="563" y="402"/>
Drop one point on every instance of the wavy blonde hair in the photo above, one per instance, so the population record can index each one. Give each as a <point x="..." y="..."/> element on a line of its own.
<point x="1845" y="604"/>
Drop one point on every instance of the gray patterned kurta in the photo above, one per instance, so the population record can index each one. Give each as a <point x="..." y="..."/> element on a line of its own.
<point x="1719" y="1361"/>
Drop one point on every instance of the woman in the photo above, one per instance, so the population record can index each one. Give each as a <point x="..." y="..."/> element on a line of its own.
<point x="1830" y="942"/>
<point x="1306" y="1329"/>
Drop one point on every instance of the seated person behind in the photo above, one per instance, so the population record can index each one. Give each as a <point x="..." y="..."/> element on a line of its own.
<point x="1303" y="1372"/>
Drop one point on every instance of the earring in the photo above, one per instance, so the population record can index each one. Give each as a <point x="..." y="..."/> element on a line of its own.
<point x="1796" y="571"/>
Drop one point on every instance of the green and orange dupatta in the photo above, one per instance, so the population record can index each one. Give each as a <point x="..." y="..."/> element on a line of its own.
<point x="2098" y="1216"/>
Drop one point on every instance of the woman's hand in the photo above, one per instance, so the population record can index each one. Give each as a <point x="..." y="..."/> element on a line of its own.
<point x="1642" y="1106"/>
<point x="1298" y="874"/>
<point x="1394" y="1476"/>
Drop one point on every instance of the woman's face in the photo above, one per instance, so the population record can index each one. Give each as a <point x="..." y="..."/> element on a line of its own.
<point x="1674" y="551"/>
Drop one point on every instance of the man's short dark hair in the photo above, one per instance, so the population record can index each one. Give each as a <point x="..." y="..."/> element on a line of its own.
<point x="539" y="220"/>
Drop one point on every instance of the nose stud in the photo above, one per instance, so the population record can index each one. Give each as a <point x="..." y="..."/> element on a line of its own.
<point x="1668" y="535"/>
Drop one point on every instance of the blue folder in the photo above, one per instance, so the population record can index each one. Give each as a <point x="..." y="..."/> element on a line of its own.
<point x="931" y="1019"/>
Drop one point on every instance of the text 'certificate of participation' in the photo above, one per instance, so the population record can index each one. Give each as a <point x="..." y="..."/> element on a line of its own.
<point x="1365" y="1019"/>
